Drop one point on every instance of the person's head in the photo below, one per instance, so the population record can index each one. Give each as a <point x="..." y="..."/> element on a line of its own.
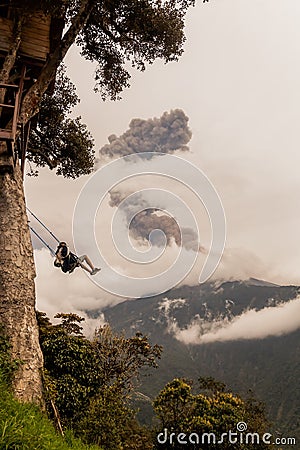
<point x="62" y="249"/>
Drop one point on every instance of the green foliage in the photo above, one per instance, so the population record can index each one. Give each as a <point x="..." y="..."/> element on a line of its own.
<point x="118" y="32"/>
<point x="138" y="31"/>
<point x="89" y="382"/>
<point x="58" y="141"/>
<point x="69" y="323"/>
<point x="240" y="364"/>
<point x="24" y="427"/>
<point x="211" y="385"/>
<point x="122" y="358"/>
<point x="71" y="366"/>
<point x="173" y="404"/>
<point x="111" y="423"/>
<point x="215" y="411"/>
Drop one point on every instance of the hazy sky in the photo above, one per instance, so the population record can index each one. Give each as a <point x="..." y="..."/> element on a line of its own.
<point x="239" y="84"/>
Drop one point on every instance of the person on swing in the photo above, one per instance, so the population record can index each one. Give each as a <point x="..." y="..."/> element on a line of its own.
<point x="67" y="261"/>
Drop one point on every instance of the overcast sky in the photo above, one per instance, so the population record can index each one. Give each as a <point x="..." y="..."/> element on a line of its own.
<point x="238" y="82"/>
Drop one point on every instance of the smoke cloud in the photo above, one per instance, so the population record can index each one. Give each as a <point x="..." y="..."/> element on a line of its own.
<point x="167" y="134"/>
<point x="270" y="321"/>
<point x="149" y="219"/>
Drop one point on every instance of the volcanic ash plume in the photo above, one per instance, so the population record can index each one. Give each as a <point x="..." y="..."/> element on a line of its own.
<point x="166" y="134"/>
<point x="148" y="219"/>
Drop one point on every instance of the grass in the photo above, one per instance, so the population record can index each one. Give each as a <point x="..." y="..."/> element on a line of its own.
<point x="24" y="427"/>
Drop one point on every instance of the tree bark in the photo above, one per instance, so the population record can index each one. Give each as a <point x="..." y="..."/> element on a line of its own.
<point x="17" y="289"/>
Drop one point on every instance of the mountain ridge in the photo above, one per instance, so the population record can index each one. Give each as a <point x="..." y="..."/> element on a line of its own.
<point x="269" y="367"/>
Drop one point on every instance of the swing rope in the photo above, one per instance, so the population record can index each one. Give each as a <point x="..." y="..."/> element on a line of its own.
<point x="43" y="225"/>
<point x="47" y="229"/>
<point x="53" y="253"/>
<point x="42" y="240"/>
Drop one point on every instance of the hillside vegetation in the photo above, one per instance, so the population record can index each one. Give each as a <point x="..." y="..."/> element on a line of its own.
<point x="269" y="367"/>
<point x="22" y="425"/>
<point x="89" y="387"/>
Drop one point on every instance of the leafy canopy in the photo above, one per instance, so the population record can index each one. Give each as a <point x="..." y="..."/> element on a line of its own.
<point x="57" y="140"/>
<point x="135" y="31"/>
<point x="113" y="33"/>
<point x="213" y="409"/>
<point x="90" y="381"/>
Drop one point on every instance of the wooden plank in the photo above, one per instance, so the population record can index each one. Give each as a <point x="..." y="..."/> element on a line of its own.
<point x="5" y="29"/>
<point x="35" y="31"/>
<point x="34" y="46"/>
<point x="41" y="20"/>
<point x="33" y="51"/>
<point x="6" y="24"/>
<point x="34" y="56"/>
<point x="5" y="33"/>
<point x="41" y="27"/>
<point x="5" y="39"/>
<point x="8" y="85"/>
<point x="31" y="43"/>
<point x="4" y="47"/>
<point x="34" y="37"/>
<point x="38" y="25"/>
<point x="6" y="135"/>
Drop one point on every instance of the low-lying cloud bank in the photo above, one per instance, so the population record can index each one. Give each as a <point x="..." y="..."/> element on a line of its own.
<point x="270" y="321"/>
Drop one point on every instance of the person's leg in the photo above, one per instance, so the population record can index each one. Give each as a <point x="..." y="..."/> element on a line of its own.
<point x="85" y="258"/>
<point x="89" y="262"/>
<point x="84" y="267"/>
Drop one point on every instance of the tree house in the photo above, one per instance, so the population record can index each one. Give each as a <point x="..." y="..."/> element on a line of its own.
<point x="35" y="38"/>
<point x="39" y="36"/>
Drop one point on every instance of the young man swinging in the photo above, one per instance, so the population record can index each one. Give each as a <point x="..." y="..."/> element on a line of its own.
<point x="67" y="261"/>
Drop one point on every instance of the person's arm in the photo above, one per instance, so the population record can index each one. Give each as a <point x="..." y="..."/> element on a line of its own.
<point x="58" y="258"/>
<point x="58" y="255"/>
<point x="57" y="263"/>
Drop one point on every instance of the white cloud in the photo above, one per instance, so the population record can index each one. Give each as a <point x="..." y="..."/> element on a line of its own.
<point x="76" y="293"/>
<point x="269" y="321"/>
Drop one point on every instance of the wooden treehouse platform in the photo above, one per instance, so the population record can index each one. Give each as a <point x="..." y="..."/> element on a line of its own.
<point x="35" y="38"/>
<point x="39" y="36"/>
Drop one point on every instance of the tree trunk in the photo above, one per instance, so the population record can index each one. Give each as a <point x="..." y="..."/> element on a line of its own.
<point x="17" y="289"/>
<point x="17" y="273"/>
